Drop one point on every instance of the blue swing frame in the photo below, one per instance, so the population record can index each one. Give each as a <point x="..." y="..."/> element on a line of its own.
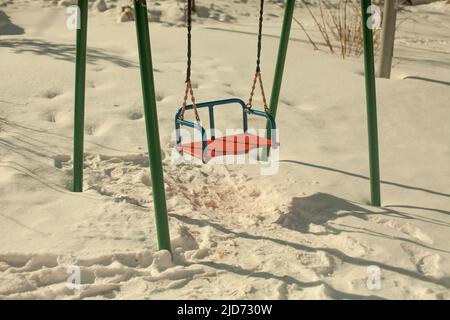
<point x="210" y="105"/>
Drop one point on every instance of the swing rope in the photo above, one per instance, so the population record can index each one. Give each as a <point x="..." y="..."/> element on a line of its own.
<point x="258" y="65"/>
<point x="258" y="78"/>
<point x="189" y="90"/>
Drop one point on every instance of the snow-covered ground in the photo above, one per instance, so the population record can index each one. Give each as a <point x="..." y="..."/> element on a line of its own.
<point x="306" y="232"/>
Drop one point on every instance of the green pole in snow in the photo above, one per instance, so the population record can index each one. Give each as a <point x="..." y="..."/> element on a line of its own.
<point x="80" y="79"/>
<point x="282" y="52"/>
<point x="151" y="124"/>
<point x="369" y="67"/>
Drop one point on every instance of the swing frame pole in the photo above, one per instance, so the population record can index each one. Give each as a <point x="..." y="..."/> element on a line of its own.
<point x="371" y="103"/>
<point x="80" y="81"/>
<point x="279" y="69"/>
<point x="151" y="124"/>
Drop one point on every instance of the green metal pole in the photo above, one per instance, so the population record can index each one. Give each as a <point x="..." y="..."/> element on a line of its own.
<point x="282" y="52"/>
<point x="151" y="123"/>
<point x="371" y="102"/>
<point x="80" y="79"/>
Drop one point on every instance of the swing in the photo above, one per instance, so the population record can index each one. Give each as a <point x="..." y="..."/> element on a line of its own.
<point x="212" y="146"/>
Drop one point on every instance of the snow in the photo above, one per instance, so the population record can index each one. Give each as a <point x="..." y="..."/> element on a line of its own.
<point x="306" y="232"/>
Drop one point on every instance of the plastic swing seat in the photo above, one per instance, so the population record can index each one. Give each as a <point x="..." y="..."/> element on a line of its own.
<point x="237" y="144"/>
<point x="224" y="146"/>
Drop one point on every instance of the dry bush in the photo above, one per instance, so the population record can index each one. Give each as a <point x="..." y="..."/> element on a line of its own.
<point x="340" y="26"/>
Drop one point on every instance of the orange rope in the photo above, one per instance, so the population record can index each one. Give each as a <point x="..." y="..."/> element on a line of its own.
<point x="250" y="100"/>
<point x="189" y="91"/>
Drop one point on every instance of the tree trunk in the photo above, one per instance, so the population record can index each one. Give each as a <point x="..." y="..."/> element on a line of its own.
<point x="387" y="39"/>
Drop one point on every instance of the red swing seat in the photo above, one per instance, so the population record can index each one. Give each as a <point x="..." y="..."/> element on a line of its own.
<point x="225" y="146"/>
<point x="208" y="147"/>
